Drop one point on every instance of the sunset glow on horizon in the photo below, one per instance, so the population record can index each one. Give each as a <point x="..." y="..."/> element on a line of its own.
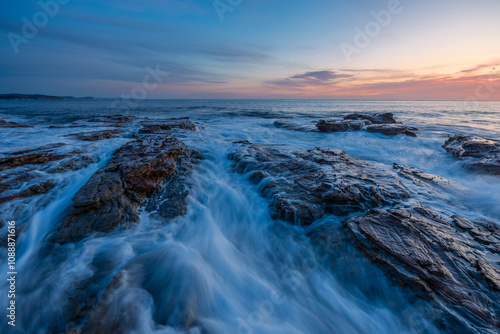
<point x="380" y="50"/>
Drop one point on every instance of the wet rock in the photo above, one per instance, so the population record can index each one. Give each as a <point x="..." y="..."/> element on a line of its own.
<point x="432" y="253"/>
<point x="96" y="135"/>
<point x="283" y="124"/>
<point x="6" y="124"/>
<point x="333" y="126"/>
<point x="392" y="129"/>
<point x="36" y="189"/>
<point x="112" y="119"/>
<point x="479" y="154"/>
<point x="304" y="185"/>
<point x="37" y="157"/>
<point x="165" y="125"/>
<point x="375" y="118"/>
<point x="112" y="195"/>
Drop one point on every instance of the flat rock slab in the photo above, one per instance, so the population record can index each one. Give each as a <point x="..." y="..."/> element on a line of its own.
<point x="304" y="185"/>
<point x="95" y="135"/>
<point x="374" y="118"/>
<point x="449" y="256"/>
<point x="113" y="194"/>
<point x="326" y="125"/>
<point x="164" y="125"/>
<point x="392" y="129"/>
<point x="480" y="154"/>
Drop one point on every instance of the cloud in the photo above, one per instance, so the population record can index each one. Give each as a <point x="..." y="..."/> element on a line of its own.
<point x="320" y="75"/>
<point x="479" y="67"/>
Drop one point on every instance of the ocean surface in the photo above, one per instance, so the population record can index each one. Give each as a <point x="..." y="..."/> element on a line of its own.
<point x="226" y="261"/>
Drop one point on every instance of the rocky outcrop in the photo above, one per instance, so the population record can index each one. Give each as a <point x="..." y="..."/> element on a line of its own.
<point x="96" y="135"/>
<point x="447" y="256"/>
<point x="6" y="124"/>
<point x="112" y="195"/>
<point x="392" y="129"/>
<point x="478" y="153"/>
<point x="38" y="156"/>
<point x="375" y="118"/>
<point x="305" y="185"/>
<point x="165" y="125"/>
<point x="35" y="189"/>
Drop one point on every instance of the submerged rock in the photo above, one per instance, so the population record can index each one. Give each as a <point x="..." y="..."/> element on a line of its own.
<point x="481" y="154"/>
<point x="113" y="194"/>
<point x="433" y="253"/>
<point x="304" y="185"/>
<point x="112" y="119"/>
<point x="6" y="124"/>
<point x="283" y="124"/>
<point x="375" y="118"/>
<point x="393" y="129"/>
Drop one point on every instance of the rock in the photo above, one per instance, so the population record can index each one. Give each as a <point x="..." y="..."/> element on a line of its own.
<point x="5" y="124"/>
<point x="112" y="195"/>
<point x="333" y="126"/>
<point x="480" y="154"/>
<point x="304" y="185"/>
<point x="283" y="124"/>
<point x="165" y="125"/>
<point x="39" y="157"/>
<point x="432" y="253"/>
<point x="112" y="119"/>
<point x="95" y="135"/>
<point x="375" y="118"/>
<point x="36" y="189"/>
<point x="393" y="129"/>
<point x="74" y="163"/>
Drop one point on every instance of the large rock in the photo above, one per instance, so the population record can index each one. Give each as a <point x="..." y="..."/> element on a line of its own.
<point x="480" y="154"/>
<point x="375" y="118"/>
<point x="6" y="124"/>
<point x="165" y="125"/>
<point x="450" y="257"/>
<point x="95" y="135"/>
<point x="37" y="156"/>
<point x="392" y="129"/>
<point x="112" y="195"/>
<point x="304" y="185"/>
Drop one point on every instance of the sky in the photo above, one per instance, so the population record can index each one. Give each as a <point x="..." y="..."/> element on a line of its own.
<point x="316" y="49"/>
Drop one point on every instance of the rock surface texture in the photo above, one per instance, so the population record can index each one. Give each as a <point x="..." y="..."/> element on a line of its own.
<point x="305" y="185"/>
<point x="479" y="154"/>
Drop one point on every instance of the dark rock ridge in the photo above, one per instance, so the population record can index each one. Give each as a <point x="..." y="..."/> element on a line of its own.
<point x="113" y="194"/>
<point x="5" y="124"/>
<point x="95" y="135"/>
<point x="375" y="123"/>
<point x="393" y="129"/>
<point x="165" y="125"/>
<point x="304" y="185"/>
<point x="39" y="156"/>
<point x="387" y="118"/>
<point x="35" y="189"/>
<point x="480" y="154"/>
<point x="448" y="256"/>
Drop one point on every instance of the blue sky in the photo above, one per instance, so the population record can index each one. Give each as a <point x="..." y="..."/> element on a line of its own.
<point x="441" y="49"/>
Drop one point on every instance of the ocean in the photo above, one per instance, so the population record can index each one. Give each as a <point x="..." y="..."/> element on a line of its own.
<point x="226" y="263"/>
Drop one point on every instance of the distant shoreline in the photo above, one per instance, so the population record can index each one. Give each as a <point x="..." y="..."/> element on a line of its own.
<point x="40" y="97"/>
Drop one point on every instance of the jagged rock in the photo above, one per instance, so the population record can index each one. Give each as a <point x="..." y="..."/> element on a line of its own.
<point x="74" y="163"/>
<point x="333" y="126"/>
<point x="37" y="156"/>
<point x="283" y="124"/>
<point x="95" y="135"/>
<point x="165" y="125"/>
<point x="432" y="253"/>
<point x="481" y="154"/>
<point x="304" y="185"/>
<point x="5" y="124"/>
<point x="387" y="118"/>
<point x="113" y="194"/>
<point x="393" y="129"/>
